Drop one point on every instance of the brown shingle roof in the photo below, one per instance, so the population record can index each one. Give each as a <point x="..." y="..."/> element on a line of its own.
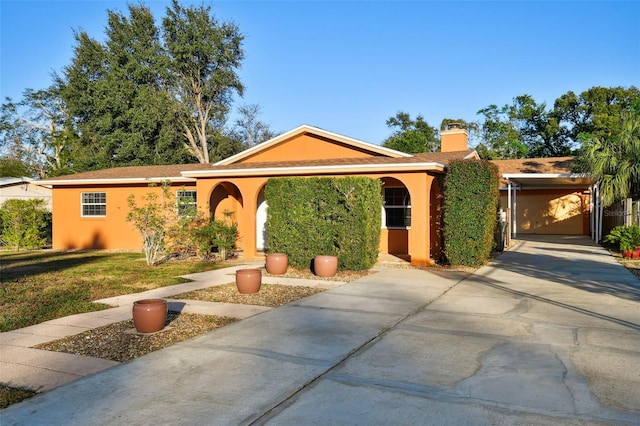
<point x="552" y="165"/>
<point x="175" y="170"/>
<point x="134" y="172"/>
<point x="433" y="157"/>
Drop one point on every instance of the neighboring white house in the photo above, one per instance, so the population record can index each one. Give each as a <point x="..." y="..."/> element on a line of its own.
<point x="22" y="188"/>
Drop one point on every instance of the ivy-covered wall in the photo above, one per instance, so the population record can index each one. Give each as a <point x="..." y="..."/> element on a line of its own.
<point x="325" y="216"/>
<point x="471" y="199"/>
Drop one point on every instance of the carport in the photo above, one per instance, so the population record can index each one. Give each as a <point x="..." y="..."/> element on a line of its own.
<point x="551" y="203"/>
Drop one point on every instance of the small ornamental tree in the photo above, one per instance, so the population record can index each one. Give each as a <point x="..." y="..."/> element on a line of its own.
<point x="151" y="219"/>
<point x="177" y="227"/>
<point x="471" y="200"/>
<point x="24" y="224"/>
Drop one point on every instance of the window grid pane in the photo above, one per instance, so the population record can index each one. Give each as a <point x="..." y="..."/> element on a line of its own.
<point x="186" y="203"/>
<point x="94" y="203"/>
<point x="397" y="206"/>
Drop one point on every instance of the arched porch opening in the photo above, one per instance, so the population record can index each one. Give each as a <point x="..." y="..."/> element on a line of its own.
<point x="396" y="218"/>
<point x="225" y="203"/>
<point x="225" y="199"/>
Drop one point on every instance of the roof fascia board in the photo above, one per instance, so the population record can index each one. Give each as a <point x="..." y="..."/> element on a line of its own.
<point x="314" y="130"/>
<point x="529" y="188"/>
<point x="280" y="171"/>
<point x="116" y="181"/>
<point x="473" y="154"/>
<point x="544" y="175"/>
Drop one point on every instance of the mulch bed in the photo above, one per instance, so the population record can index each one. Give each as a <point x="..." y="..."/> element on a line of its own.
<point x="119" y="342"/>
<point x="272" y="295"/>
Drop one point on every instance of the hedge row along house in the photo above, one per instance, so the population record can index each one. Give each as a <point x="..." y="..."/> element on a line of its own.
<point x="90" y="208"/>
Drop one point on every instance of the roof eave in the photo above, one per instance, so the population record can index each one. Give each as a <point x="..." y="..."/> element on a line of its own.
<point x="545" y="175"/>
<point x="114" y="181"/>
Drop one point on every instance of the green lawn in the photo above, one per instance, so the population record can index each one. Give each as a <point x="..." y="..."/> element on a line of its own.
<point x="39" y="286"/>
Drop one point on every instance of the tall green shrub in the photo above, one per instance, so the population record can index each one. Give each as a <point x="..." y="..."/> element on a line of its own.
<point x="25" y="224"/>
<point x="335" y="216"/>
<point x="471" y="200"/>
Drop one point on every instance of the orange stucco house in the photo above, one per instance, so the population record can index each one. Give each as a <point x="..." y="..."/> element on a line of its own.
<point x="90" y="208"/>
<point x="540" y="195"/>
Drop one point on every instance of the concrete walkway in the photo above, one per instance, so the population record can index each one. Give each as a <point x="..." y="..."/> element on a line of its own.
<point x="548" y="334"/>
<point x="23" y="366"/>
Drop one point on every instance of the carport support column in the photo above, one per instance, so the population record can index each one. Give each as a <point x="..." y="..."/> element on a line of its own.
<point x="511" y="202"/>
<point x="594" y="212"/>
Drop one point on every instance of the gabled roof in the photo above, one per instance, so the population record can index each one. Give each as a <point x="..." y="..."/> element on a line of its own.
<point x="355" y="143"/>
<point x="382" y="160"/>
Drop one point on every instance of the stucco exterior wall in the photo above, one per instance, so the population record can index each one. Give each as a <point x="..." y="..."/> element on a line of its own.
<point x="72" y="231"/>
<point x="243" y="197"/>
<point x="306" y="147"/>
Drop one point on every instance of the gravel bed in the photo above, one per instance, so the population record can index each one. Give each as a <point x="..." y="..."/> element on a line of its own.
<point x="272" y="295"/>
<point x="119" y="342"/>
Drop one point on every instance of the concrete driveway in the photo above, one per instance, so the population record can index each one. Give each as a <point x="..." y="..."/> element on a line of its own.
<point x="548" y="334"/>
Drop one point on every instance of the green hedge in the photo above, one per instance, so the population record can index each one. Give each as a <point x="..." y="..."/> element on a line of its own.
<point x="471" y="200"/>
<point x="325" y="216"/>
<point x="25" y="224"/>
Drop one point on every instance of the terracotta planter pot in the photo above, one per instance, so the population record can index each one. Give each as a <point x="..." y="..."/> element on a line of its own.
<point x="325" y="266"/>
<point x="277" y="263"/>
<point x="248" y="281"/>
<point x="636" y="253"/>
<point x="149" y="315"/>
<point x="627" y="254"/>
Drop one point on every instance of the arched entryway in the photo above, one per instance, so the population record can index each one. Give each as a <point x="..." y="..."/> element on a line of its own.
<point x="225" y="202"/>
<point x="225" y="199"/>
<point x="396" y="217"/>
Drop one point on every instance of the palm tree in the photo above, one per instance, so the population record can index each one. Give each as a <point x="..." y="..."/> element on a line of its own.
<point x="614" y="161"/>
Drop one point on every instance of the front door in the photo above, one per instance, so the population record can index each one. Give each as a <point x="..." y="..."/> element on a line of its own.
<point x="261" y="226"/>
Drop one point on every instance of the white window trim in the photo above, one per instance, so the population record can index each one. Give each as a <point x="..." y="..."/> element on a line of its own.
<point x="178" y="201"/>
<point x="82" y="204"/>
<point x="384" y="211"/>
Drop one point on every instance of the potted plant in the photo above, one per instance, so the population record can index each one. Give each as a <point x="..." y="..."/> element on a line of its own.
<point x="149" y="315"/>
<point x="635" y="231"/>
<point x="276" y="263"/>
<point x="248" y="281"/>
<point x="325" y="266"/>
<point x="627" y="238"/>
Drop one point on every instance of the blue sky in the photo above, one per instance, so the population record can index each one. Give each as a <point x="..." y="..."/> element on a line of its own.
<point x="348" y="66"/>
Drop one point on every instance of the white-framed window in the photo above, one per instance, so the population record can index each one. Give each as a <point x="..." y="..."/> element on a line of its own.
<point x="186" y="202"/>
<point x="93" y="204"/>
<point x="397" y="207"/>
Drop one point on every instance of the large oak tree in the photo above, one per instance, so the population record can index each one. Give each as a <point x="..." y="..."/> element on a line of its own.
<point x="526" y="128"/>
<point x="153" y="95"/>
